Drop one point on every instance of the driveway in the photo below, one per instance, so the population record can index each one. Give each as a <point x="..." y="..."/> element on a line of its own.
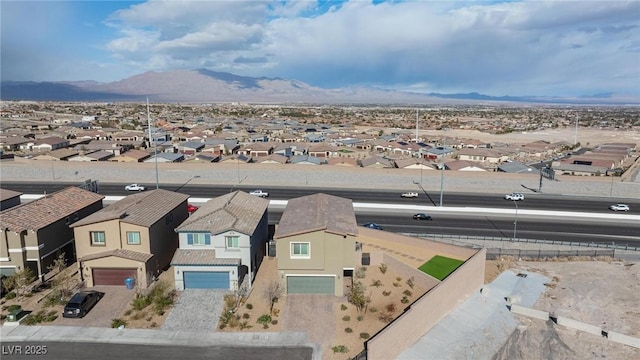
<point x="196" y="310"/>
<point x="112" y="304"/>
<point x="314" y="314"/>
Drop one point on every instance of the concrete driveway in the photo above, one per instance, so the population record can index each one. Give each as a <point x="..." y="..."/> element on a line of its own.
<point x="112" y="304"/>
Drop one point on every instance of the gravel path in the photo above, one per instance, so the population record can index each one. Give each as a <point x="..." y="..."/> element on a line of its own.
<point x="195" y="310"/>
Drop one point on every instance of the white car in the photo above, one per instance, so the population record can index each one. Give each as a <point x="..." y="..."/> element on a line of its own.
<point x="409" y="195"/>
<point x="514" y="196"/>
<point x="619" y="207"/>
<point x="134" y="187"/>
<point x="262" y="194"/>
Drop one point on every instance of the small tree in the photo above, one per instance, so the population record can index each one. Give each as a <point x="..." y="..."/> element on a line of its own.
<point x="61" y="278"/>
<point x="357" y="297"/>
<point x="23" y="279"/>
<point x="273" y="292"/>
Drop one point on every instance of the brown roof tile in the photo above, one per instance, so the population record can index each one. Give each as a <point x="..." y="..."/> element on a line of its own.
<point x="200" y="257"/>
<point x="121" y="253"/>
<point x="39" y="213"/>
<point x="317" y="212"/>
<point x="236" y="211"/>
<point x="6" y="194"/>
<point x="144" y="208"/>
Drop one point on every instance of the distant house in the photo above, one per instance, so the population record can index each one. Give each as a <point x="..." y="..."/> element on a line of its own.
<point x="166" y="157"/>
<point x="9" y="198"/>
<point x="50" y="143"/>
<point x="343" y="161"/>
<point x="57" y="155"/>
<point x="515" y="167"/>
<point x="463" y="165"/>
<point x="133" y="237"/>
<point x="256" y="149"/>
<point x="482" y="155"/>
<point x="190" y="147"/>
<point x="273" y="159"/>
<point x="413" y="163"/>
<point x="222" y="243"/>
<point x="377" y="162"/>
<point x="316" y="244"/>
<point x="306" y="160"/>
<point x="323" y="151"/>
<point x="131" y="156"/>
<point x="37" y="232"/>
<point x="93" y="156"/>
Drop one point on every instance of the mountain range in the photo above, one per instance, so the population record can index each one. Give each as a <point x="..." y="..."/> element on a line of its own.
<point x="205" y="86"/>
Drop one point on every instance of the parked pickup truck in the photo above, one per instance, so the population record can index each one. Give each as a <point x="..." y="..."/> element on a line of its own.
<point x="409" y="195"/>
<point x="262" y="194"/>
<point x="134" y="187"/>
<point x="514" y="197"/>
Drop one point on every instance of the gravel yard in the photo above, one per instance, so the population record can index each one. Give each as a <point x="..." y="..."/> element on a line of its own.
<point x="195" y="310"/>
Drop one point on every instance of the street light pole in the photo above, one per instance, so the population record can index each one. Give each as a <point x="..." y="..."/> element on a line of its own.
<point x="515" y="223"/>
<point x="442" y="167"/>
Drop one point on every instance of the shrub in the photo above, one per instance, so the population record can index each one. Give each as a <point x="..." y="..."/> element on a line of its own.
<point x="139" y="315"/>
<point x="246" y="316"/>
<point x="244" y="325"/>
<point x="343" y="307"/>
<point x="407" y="292"/>
<point x="391" y="307"/>
<point x="40" y="316"/>
<point x="373" y="309"/>
<point x="161" y="303"/>
<point x="225" y="318"/>
<point x="53" y="299"/>
<point x="149" y="318"/>
<point x="404" y="300"/>
<point x="411" y="282"/>
<point x="128" y="312"/>
<point x="140" y="302"/>
<point x="116" y="323"/>
<point x="364" y="335"/>
<point x="10" y="295"/>
<point x="376" y="283"/>
<point x="340" y="349"/>
<point x="385" y="317"/>
<point x="264" y="319"/>
<point x="11" y="308"/>
<point x="249" y="306"/>
<point x="398" y="278"/>
<point x="274" y="322"/>
<point x="346" y="318"/>
<point x="386" y="293"/>
<point x="360" y="317"/>
<point x="361" y="273"/>
<point x="348" y="330"/>
<point x="153" y="325"/>
<point x="383" y="268"/>
<point x="396" y="284"/>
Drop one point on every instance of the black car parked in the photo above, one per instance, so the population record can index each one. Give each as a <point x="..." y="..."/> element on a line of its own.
<point x="422" y="216"/>
<point x="81" y="303"/>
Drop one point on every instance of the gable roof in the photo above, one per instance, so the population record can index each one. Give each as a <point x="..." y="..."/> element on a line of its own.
<point x="6" y="194"/>
<point x="317" y="212"/>
<point x="40" y="213"/>
<point x="193" y="257"/>
<point x="236" y="211"/>
<point x="121" y="253"/>
<point x="143" y="209"/>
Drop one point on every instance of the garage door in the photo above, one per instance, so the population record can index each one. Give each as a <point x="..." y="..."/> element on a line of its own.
<point x="311" y="285"/>
<point x="112" y="276"/>
<point x="206" y="280"/>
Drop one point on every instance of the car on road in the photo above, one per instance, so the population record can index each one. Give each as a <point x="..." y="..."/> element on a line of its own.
<point x="373" y="226"/>
<point x="514" y="196"/>
<point x="191" y="208"/>
<point x="409" y="194"/>
<point x="422" y="216"/>
<point x="134" y="187"/>
<point x="619" y="207"/>
<point x="81" y="303"/>
<point x="262" y="194"/>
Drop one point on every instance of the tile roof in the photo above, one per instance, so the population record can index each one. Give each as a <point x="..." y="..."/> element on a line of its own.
<point x="200" y="257"/>
<point x="6" y="194"/>
<point x="144" y="208"/>
<point x="317" y="212"/>
<point x="39" y="213"/>
<point x="121" y="253"/>
<point x="236" y="211"/>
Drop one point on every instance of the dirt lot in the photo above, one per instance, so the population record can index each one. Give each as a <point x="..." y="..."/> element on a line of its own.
<point x="605" y="294"/>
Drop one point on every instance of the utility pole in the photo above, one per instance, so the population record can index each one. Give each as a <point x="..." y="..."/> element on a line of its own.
<point x="575" y="136"/>
<point x="444" y="148"/>
<point x="515" y="223"/>
<point x="155" y="148"/>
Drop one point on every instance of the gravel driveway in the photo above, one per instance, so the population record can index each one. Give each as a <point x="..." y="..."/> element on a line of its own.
<point x="196" y="310"/>
<point x="112" y="304"/>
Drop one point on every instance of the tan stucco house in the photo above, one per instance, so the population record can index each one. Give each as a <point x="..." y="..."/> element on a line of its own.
<point x="131" y="238"/>
<point x="316" y="244"/>
<point x="222" y="243"/>
<point x="36" y="233"/>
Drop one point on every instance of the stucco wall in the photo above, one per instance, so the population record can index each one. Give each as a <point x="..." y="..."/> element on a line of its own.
<point x="389" y="342"/>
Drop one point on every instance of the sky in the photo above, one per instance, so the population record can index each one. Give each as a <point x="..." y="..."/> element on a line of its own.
<point x="517" y="48"/>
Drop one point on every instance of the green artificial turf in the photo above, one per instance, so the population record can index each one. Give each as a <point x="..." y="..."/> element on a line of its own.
<point x="440" y="267"/>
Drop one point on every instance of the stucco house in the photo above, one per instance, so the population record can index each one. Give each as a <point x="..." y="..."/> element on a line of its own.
<point x="36" y="233"/>
<point x="222" y="244"/>
<point x="316" y="244"/>
<point x="133" y="237"/>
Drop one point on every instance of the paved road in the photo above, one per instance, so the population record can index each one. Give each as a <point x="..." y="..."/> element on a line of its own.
<point x="105" y="351"/>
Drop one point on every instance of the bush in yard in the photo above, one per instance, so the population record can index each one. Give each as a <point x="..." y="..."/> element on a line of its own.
<point x="246" y="316"/>
<point x="11" y="295"/>
<point x="39" y="317"/>
<point x="244" y="325"/>
<point x="357" y="297"/>
<point x="343" y="307"/>
<point x="407" y="293"/>
<point x="264" y="319"/>
<point x="140" y="302"/>
<point x="361" y="273"/>
<point x="11" y="308"/>
<point x="128" y="312"/>
<point x="404" y="300"/>
<point x="364" y="335"/>
<point x="386" y="293"/>
<point x="376" y="283"/>
<point x="360" y="317"/>
<point x="396" y="284"/>
<point x="385" y="317"/>
<point x="249" y="306"/>
<point x="139" y="315"/>
<point x="274" y="322"/>
<point x="348" y="330"/>
<point x="273" y="292"/>
<point x="383" y="268"/>
<point x="340" y="349"/>
<point x="116" y="323"/>
<point x="411" y="282"/>
<point x="398" y="278"/>
<point x="391" y="307"/>
<point x="53" y="299"/>
<point x="161" y="303"/>
<point x="346" y="318"/>
<point x="373" y="309"/>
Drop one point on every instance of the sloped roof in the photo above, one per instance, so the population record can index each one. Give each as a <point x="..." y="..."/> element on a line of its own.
<point x="201" y="257"/>
<point x="317" y="212"/>
<point x="144" y="208"/>
<point x="237" y="211"/>
<point x="40" y="213"/>
<point x="6" y="194"/>
<point x="121" y="253"/>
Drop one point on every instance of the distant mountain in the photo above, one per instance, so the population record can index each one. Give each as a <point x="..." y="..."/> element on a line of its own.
<point x="206" y="86"/>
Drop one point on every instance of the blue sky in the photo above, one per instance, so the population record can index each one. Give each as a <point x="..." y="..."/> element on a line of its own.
<point x="543" y="48"/>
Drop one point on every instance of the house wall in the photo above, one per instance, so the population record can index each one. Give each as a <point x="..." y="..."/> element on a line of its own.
<point x="11" y="202"/>
<point x="82" y="236"/>
<point x="143" y="275"/>
<point x="259" y="240"/>
<point x="163" y="238"/>
<point x="329" y="254"/>
<point x="430" y="308"/>
<point x="179" y="280"/>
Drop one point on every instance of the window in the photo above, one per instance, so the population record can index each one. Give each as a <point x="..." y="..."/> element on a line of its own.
<point x="199" y="239"/>
<point x="133" y="238"/>
<point x="300" y="250"/>
<point x="75" y="216"/>
<point x="67" y="221"/>
<point x="232" y="242"/>
<point x="98" y="238"/>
